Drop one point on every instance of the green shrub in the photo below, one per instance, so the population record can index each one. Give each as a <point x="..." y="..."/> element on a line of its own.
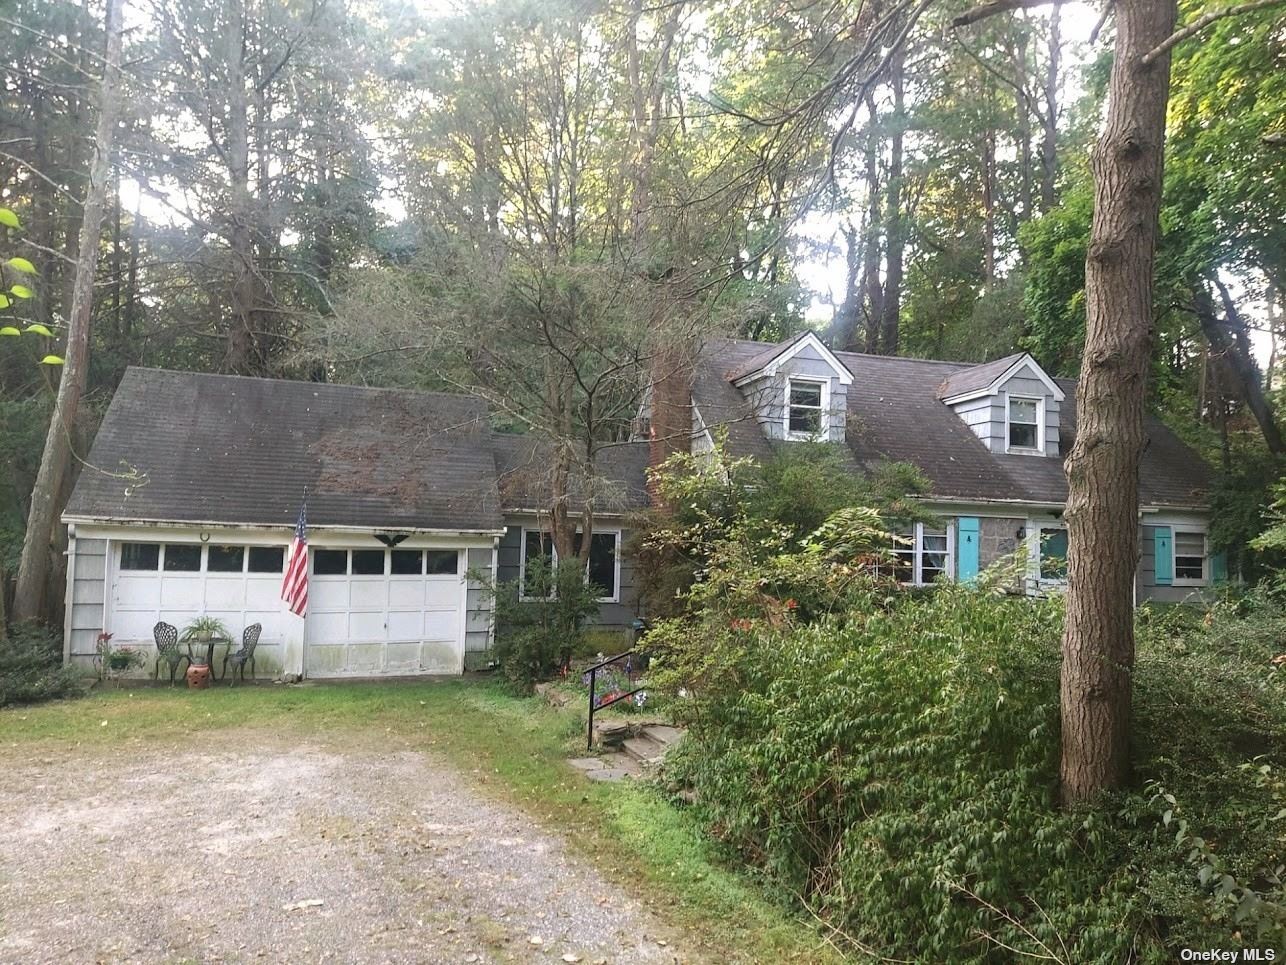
<point x="31" y="666"/>
<point x="540" y="625"/>
<point x="895" y="767"/>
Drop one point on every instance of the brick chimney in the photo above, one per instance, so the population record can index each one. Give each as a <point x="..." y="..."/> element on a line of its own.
<point x="671" y="423"/>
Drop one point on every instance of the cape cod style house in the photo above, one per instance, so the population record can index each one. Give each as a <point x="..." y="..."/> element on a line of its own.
<point x="989" y="438"/>
<point x="195" y="482"/>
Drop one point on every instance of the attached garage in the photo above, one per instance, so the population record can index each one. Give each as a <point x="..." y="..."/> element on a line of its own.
<point x="395" y="611"/>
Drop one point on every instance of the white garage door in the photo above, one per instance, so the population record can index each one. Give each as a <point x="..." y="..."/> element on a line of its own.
<point x="177" y="582"/>
<point x="374" y="612"/>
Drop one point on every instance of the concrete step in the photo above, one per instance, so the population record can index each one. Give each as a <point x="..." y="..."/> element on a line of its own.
<point x="644" y="749"/>
<point x="662" y="733"/>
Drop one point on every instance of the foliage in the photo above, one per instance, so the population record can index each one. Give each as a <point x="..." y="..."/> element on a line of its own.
<point x="205" y="627"/>
<point x="540" y="619"/>
<point x="31" y="666"/>
<point x="713" y="498"/>
<point x="893" y="766"/>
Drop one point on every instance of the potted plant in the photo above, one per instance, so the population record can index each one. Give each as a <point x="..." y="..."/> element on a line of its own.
<point x="204" y="629"/>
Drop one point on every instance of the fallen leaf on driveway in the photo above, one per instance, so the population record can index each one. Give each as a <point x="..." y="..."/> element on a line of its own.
<point x="306" y="903"/>
<point x="569" y="957"/>
<point x="535" y="940"/>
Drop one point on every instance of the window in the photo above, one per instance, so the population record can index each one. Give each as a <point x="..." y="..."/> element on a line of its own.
<point x="330" y="562"/>
<point x="804" y="407"/>
<point x="267" y="559"/>
<point x="442" y="562"/>
<point x="600" y="569"/>
<point x="1053" y="554"/>
<point x="225" y="559"/>
<point x="1190" y="557"/>
<point x="933" y="554"/>
<point x="1024" y="423"/>
<point x="368" y="562"/>
<point x="140" y="556"/>
<point x="182" y="558"/>
<point x="925" y="555"/>
<point x="406" y="562"/>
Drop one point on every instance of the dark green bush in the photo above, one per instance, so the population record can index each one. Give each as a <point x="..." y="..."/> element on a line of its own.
<point x="540" y="627"/>
<point x="31" y="666"/>
<point x="896" y="770"/>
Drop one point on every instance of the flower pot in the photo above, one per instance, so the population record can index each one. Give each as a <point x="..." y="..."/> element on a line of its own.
<point x="205" y="636"/>
<point x="198" y="676"/>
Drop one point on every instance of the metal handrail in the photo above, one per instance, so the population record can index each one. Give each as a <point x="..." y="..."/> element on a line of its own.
<point x="593" y="683"/>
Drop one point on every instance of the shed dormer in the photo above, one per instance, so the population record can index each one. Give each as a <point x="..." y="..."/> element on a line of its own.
<point x="798" y="389"/>
<point x="1010" y="404"/>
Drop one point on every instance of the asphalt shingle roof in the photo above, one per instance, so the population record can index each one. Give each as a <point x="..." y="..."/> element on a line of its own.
<point x="523" y="465"/>
<point x="895" y="414"/>
<point x="229" y="449"/>
<point x="975" y="377"/>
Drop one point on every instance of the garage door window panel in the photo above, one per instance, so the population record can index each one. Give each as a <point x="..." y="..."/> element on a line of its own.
<point x="406" y="563"/>
<point x="226" y="559"/>
<point x="330" y="562"/>
<point x="182" y="558"/>
<point x="368" y="562"/>
<point x="266" y="559"/>
<point x="140" y="556"/>
<point x="442" y="562"/>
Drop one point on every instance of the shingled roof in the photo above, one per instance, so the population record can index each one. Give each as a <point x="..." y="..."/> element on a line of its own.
<point x="523" y="466"/>
<point x="895" y="414"/>
<point x="188" y="447"/>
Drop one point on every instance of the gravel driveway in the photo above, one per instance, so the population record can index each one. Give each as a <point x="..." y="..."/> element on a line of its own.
<point x="246" y="851"/>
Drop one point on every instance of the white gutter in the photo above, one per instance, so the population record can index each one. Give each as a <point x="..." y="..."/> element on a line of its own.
<point x="289" y="527"/>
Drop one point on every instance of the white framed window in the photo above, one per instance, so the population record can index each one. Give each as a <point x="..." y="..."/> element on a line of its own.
<point x="926" y="555"/>
<point x="1190" y="554"/>
<point x="1024" y="424"/>
<point x="807" y="401"/>
<point x="603" y="568"/>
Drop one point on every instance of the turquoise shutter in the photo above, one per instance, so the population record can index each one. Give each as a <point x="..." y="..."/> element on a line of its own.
<point x="1163" y="550"/>
<point x="1219" y="567"/>
<point x="967" y="549"/>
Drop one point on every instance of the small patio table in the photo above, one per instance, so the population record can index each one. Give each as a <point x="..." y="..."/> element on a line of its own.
<point x="209" y="653"/>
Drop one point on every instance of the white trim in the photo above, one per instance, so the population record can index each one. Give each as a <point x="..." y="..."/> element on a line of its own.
<point x="69" y="592"/>
<point x="287" y="527"/>
<point x="770" y="368"/>
<point x="553" y="551"/>
<point x="1035" y="580"/>
<point x="823" y="411"/>
<point x="1009" y="373"/>
<point x="1039" y="448"/>
<point x="917" y="552"/>
<point x="702" y="431"/>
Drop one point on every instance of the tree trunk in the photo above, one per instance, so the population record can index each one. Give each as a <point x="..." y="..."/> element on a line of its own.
<point x="1049" y="145"/>
<point x="1236" y="352"/>
<point x="43" y="516"/>
<point x="241" y="335"/>
<point x="892" y="308"/>
<point x="989" y="209"/>
<point x="871" y="284"/>
<point x="1103" y="468"/>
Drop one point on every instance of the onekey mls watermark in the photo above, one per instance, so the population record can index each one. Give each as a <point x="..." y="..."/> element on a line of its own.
<point x="1229" y="955"/>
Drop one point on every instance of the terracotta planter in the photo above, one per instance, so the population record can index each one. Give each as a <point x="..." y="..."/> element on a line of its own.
<point x="198" y="676"/>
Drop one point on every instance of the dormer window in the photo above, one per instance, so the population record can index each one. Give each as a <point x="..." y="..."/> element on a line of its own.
<point x="1025" y="424"/>
<point x="805" y="408"/>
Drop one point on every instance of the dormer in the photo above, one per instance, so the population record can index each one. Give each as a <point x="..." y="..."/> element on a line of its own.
<point x="1010" y="404"/>
<point x="798" y="388"/>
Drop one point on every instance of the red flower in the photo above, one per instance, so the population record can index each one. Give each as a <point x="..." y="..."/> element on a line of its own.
<point x="791" y="604"/>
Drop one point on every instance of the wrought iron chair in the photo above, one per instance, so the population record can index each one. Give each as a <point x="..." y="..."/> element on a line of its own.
<point x="246" y="655"/>
<point x="167" y="649"/>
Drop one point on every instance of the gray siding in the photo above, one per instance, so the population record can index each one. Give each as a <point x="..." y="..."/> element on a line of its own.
<point x="618" y="616"/>
<point x="88" y="592"/>
<point x="477" y="630"/>
<point x="986" y="417"/>
<point x="1032" y="388"/>
<point x="1145" y="582"/>
<point x="768" y="394"/>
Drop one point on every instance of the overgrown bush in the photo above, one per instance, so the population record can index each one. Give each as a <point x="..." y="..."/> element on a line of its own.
<point x="31" y="666"/>
<point x="895" y="768"/>
<point x="540" y="624"/>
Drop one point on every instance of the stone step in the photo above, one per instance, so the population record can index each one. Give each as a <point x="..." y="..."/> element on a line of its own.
<point x="662" y="733"/>
<point x="644" y="749"/>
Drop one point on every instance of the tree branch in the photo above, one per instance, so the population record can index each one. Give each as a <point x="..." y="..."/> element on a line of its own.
<point x="1205" y="20"/>
<point x="998" y="6"/>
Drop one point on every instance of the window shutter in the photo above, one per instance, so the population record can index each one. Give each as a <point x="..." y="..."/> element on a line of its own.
<point x="1163" y="551"/>
<point x="967" y="539"/>
<point x="1219" y="567"/>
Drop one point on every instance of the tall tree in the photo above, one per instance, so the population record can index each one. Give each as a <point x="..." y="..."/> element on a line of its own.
<point x="55" y="462"/>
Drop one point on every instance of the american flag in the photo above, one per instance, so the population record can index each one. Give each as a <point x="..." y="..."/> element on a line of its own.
<point x="294" y="585"/>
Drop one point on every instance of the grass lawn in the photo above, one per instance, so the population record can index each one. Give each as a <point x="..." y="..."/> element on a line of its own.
<point x="513" y="748"/>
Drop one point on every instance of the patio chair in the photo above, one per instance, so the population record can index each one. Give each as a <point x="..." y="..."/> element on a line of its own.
<point x="246" y="655"/>
<point x="167" y="649"/>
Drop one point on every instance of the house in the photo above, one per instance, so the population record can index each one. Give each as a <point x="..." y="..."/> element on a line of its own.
<point x="989" y="438"/>
<point x="194" y="482"/>
<point x="189" y="498"/>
